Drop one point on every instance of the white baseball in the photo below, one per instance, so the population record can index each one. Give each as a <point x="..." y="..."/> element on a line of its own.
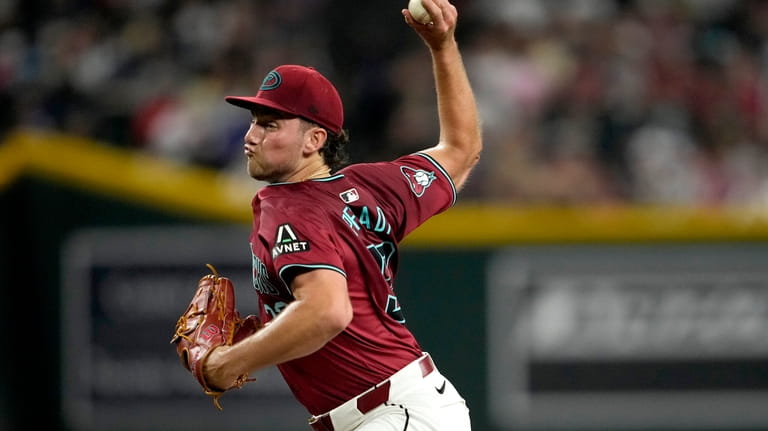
<point x="418" y="12"/>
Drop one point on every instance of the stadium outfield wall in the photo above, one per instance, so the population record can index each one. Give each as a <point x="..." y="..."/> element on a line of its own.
<point x="554" y="318"/>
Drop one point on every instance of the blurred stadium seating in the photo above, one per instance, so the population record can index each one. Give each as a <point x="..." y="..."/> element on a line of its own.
<point x="583" y="101"/>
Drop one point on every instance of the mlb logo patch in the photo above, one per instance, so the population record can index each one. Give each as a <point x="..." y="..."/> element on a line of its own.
<point x="349" y="196"/>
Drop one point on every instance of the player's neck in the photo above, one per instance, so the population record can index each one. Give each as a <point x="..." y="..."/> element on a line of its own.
<point x="324" y="172"/>
<point x="309" y="172"/>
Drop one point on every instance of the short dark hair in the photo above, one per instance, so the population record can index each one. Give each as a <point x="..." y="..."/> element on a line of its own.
<point x="335" y="151"/>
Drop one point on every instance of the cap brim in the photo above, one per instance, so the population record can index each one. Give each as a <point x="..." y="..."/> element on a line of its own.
<point x="253" y="102"/>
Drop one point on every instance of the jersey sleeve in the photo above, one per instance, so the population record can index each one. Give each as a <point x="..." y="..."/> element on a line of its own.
<point x="414" y="188"/>
<point x="302" y="240"/>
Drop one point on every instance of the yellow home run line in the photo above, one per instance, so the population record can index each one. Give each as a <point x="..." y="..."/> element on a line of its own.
<point x="207" y="194"/>
<point x="480" y="225"/>
<point x="130" y="175"/>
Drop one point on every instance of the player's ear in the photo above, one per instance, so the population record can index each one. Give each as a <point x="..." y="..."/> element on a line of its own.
<point x="315" y="138"/>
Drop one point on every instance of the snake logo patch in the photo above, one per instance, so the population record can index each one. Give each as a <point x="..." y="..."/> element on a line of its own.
<point x="286" y="241"/>
<point x="418" y="179"/>
<point x="271" y="81"/>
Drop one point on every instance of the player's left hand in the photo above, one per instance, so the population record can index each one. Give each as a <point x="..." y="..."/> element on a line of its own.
<point x="209" y="322"/>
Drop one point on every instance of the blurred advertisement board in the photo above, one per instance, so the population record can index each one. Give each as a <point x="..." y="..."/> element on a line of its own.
<point x="628" y="337"/>
<point x="123" y="291"/>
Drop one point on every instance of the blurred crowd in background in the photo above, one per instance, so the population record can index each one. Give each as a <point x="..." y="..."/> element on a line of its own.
<point x="584" y="102"/>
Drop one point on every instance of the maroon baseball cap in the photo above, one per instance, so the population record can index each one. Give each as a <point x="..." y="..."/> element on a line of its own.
<point x="301" y="91"/>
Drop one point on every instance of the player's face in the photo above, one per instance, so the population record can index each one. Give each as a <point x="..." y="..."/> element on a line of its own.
<point x="274" y="146"/>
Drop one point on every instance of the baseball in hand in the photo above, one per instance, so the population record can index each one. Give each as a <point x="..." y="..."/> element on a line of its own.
<point x="418" y="12"/>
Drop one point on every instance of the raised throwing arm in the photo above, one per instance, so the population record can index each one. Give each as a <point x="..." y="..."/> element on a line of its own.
<point x="458" y="149"/>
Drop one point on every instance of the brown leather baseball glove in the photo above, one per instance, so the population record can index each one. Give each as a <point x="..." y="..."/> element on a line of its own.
<point x="211" y="321"/>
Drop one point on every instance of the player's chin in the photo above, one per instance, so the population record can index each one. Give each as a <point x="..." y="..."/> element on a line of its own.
<point x="254" y="170"/>
<point x="251" y="167"/>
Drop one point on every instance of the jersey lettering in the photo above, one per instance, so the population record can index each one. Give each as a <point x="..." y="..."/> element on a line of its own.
<point x="275" y="308"/>
<point x="377" y="223"/>
<point x="261" y="281"/>
<point x="381" y="222"/>
<point x="365" y="218"/>
<point x="349" y="217"/>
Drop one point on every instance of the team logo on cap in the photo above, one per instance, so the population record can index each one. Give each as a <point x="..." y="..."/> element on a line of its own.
<point x="271" y="81"/>
<point x="418" y="179"/>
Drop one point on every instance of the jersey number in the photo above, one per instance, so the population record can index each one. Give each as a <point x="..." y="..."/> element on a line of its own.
<point x="383" y="253"/>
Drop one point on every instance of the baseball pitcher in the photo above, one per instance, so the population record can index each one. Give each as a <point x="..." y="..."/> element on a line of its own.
<point x="324" y="248"/>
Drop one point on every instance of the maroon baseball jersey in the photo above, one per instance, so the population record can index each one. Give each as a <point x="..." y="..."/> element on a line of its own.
<point x="350" y="223"/>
